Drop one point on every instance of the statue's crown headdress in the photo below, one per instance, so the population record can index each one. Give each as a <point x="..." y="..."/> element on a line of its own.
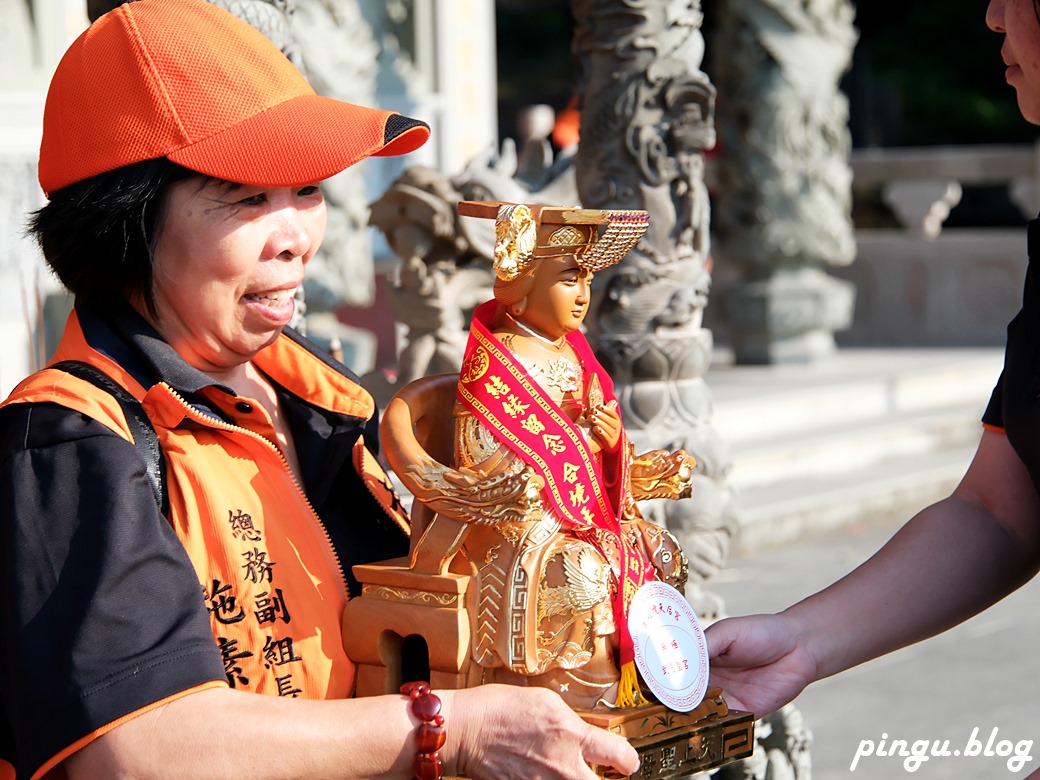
<point x="526" y="232"/>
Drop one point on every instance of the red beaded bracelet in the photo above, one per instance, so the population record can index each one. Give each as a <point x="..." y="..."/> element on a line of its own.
<point x="430" y="735"/>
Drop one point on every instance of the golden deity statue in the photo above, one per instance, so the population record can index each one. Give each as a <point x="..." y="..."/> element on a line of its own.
<point x="527" y="541"/>
<point x="542" y="473"/>
<point x="568" y="564"/>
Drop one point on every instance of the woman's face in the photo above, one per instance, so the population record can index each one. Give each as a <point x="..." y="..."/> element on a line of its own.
<point x="1017" y="20"/>
<point x="559" y="296"/>
<point x="227" y="262"/>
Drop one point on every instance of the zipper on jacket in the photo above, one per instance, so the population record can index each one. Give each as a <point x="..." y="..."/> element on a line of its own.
<point x="214" y="422"/>
<point x="392" y="489"/>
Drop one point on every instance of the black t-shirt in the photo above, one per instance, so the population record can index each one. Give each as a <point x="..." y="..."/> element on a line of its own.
<point x="101" y="608"/>
<point x="1014" y="405"/>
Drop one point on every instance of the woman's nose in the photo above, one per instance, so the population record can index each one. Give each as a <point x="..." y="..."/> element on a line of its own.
<point x="995" y="15"/>
<point x="290" y="237"/>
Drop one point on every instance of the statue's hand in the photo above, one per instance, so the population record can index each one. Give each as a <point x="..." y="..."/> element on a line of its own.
<point x="605" y="424"/>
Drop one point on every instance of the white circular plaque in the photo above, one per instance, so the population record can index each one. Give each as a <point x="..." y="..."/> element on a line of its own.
<point x="671" y="653"/>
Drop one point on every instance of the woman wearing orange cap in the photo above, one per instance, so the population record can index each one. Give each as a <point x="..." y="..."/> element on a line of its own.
<point x="187" y="485"/>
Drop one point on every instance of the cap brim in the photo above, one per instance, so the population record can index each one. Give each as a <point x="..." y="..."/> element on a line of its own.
<point x="301" y="141"/>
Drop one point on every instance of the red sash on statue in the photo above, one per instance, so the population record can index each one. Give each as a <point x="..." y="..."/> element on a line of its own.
<point x="497" y="391"/>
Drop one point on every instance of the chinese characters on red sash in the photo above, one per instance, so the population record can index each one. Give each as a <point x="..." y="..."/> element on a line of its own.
<point x="496" y="389"/>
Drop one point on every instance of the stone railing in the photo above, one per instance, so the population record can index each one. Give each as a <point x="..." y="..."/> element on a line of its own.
<point x="921" y="185"/>
<point x="920" y="282"/>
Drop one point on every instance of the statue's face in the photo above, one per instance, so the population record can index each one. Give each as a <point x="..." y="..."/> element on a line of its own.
<point x="559" y="296"/>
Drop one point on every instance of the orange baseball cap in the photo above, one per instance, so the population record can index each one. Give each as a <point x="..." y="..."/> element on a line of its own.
<point x="187" y="80"/>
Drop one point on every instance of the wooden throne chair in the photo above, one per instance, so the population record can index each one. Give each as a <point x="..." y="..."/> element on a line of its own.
<point x="412" y="619"/>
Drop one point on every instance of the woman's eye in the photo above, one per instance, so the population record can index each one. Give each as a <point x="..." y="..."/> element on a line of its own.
<point x="253" y="200"/>
<point x="311" y="189"/>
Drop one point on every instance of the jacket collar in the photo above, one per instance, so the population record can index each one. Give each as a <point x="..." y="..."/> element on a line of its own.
<point x="124" y="336"/>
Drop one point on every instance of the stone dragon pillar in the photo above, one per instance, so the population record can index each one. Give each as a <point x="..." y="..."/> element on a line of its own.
<point x="785" y="185"/>
<point x="647" y="117"/>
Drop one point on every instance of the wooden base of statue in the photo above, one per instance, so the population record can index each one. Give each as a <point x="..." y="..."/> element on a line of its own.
<point x="676" y="744"/>
<point x="410" y="625"/>
<point x="404" y="619"/>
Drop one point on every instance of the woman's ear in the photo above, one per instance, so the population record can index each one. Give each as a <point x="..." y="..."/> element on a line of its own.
<point x="517" y="309"/>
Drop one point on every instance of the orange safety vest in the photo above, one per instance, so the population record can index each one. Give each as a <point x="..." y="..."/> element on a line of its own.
<point x="268" y="572"/>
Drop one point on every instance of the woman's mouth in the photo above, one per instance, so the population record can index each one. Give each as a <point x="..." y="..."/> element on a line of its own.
<point x="274" y="307"/>
<point x="272" y="297"/>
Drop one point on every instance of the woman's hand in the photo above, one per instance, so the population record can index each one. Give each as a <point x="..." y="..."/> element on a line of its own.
<point x="758" y="662"/>
<point x="506" y="732"/>
<point x="605" y="424"/>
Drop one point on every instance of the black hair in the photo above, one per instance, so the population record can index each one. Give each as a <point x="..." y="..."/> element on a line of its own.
<point x="98" y="235"/>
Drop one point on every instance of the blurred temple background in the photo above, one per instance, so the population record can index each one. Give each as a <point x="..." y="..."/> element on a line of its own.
<point x="485" y="73"/>
<point x="834" y="375"/>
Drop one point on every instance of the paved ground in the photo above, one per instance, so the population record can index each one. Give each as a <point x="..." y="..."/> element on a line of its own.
<point x="984" y="674"/>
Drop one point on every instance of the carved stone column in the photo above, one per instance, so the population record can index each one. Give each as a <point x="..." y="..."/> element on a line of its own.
<point x="784" y="205"/>
<point x="647" y="116"/>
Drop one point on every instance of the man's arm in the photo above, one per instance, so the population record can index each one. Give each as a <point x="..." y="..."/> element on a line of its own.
<point x="952" y="560"/>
